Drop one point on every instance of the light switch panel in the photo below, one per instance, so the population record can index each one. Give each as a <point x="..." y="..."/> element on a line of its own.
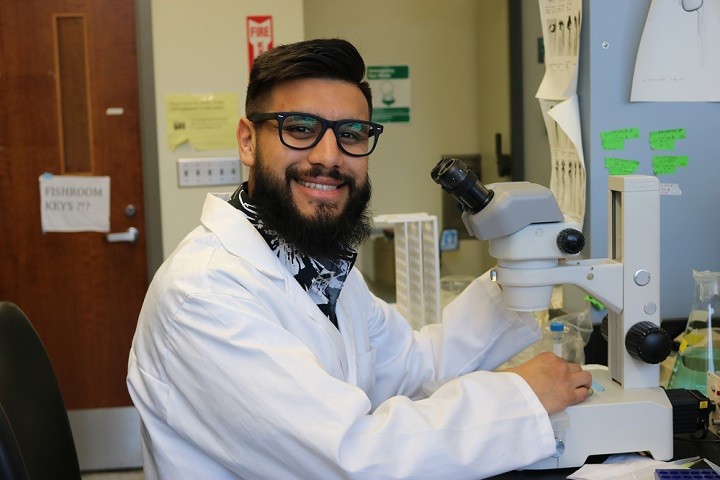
<point x="209" y="171"/>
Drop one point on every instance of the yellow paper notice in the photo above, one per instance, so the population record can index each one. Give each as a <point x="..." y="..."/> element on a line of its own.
<point x="208" y="122"/>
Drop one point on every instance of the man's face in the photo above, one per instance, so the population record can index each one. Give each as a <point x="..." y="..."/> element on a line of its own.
<point x="315" y="198"/>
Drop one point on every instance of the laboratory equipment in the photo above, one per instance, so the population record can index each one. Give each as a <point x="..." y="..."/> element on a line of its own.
<point x="557" y="329"/>
<point x="686" y="474"/>
<point x="536" y="247"/>
<point x="713" y="386"/>
<point x="417" y="266"/>
<point x="700" y="344"/>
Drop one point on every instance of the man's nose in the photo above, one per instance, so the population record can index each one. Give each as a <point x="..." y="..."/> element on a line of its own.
<point x="327" y="152"/>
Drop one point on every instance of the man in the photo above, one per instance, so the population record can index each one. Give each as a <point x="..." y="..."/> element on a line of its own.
<point x="261" y="353"/>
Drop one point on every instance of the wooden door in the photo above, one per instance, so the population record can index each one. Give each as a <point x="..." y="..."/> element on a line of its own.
<point x="69" y="106"/>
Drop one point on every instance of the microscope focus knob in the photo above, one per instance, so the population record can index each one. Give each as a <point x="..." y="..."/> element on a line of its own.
<point x="570" y="241"/>
<point x="648" y="342"/>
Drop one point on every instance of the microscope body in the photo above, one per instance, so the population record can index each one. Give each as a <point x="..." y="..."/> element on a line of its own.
<point x="536" y="248"/>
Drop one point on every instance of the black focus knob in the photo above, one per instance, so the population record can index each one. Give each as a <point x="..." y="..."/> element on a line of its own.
<point x="570" y="241"/>
<point x="648" y="342"/>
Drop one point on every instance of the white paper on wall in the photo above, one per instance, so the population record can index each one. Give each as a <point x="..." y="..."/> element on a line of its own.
<point x="567" y="163"/>
<point x="678" y="58"/>
<point x="561" y="21"/>
<point x="557" y="94"/>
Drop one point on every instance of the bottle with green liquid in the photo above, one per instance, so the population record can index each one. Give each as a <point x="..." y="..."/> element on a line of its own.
<point x="699" y="350"/>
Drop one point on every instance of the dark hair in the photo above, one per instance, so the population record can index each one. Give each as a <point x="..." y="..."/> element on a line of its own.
<point x="325" y="58"/>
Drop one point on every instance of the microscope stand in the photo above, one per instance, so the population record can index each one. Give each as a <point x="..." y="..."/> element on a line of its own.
<point x="612" y="420"/>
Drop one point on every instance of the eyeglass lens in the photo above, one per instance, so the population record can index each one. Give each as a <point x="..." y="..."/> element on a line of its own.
<point x="303" y="131"/>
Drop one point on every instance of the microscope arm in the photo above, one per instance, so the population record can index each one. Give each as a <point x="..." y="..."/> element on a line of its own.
<point x="601" y="278"/>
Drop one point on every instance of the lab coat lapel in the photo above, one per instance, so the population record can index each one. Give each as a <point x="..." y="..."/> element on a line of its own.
<point x="361" y="355"/>
<point x="312" y="313"/>
<point x="348" y="341"/>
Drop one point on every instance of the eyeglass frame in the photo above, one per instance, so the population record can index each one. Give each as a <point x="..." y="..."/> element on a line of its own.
<point x="280" y="117"/>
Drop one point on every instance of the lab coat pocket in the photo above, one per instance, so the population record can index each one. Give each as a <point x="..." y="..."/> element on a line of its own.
<point x="366" y="370"/>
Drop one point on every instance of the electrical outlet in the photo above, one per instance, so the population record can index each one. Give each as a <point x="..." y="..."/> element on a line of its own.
<point x="209" y="171"/>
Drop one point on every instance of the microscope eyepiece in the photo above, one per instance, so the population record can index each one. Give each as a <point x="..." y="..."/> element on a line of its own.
<point x="460" y="182"/>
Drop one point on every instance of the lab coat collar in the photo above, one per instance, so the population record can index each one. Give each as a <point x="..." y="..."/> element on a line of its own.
<point x="238" y="235"/>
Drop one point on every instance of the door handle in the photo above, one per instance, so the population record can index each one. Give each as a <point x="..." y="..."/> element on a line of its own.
<point x="131" y="235"/>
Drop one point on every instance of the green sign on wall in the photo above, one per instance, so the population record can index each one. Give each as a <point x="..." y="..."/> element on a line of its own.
<point x="391" y="93"/>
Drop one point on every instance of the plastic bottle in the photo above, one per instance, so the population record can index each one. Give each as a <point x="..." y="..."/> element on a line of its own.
<point x="557" y="329"/>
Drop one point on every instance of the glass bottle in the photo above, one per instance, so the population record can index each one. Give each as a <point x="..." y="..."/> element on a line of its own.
<point x="699" y="350"/>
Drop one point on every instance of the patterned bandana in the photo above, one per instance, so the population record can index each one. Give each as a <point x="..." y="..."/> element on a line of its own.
<point x="322" y="278"/>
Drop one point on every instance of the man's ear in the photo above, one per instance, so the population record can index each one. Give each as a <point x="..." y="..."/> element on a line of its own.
<point x="246" y="140"/>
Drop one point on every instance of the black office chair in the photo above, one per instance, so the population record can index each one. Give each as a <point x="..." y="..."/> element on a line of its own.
<point x="36" y="441"/>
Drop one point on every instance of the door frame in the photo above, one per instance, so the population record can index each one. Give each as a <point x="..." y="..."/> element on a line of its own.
<point x="109" y="438"/>
<point x="148" y="136"/>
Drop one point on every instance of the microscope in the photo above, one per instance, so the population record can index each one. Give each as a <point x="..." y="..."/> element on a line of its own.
<point x="537" y="247"/>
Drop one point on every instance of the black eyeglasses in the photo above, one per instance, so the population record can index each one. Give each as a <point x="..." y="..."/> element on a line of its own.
<point x="301" y="131"/>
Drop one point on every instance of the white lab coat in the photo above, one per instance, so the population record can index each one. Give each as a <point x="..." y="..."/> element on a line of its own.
<point x="236" y="374"/>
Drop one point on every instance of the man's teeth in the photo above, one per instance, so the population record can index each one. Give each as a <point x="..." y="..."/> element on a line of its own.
<point x="317" y="186"/>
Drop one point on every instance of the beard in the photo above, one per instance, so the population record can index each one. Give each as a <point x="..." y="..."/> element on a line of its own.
<point x="328" y="232"/>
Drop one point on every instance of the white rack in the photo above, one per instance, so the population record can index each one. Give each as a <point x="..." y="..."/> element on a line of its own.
<point x="417" y="266"/>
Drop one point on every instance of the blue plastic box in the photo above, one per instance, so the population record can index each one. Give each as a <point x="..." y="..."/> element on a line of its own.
<point x="686" y="474"/>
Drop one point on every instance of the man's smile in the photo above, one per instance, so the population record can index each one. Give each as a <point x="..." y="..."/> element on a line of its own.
<point x="318" y="186"/>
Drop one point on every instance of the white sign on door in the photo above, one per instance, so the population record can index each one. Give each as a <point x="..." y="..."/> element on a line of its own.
<point x="74" y="203"/>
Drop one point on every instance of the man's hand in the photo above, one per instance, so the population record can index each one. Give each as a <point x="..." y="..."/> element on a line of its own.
<point x="557" y="383"/>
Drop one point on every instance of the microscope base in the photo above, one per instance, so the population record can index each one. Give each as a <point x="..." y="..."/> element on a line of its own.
<point x="612" y="420"/>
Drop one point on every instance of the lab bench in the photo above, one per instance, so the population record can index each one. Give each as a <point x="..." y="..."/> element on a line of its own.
<point x="684" y="446"/>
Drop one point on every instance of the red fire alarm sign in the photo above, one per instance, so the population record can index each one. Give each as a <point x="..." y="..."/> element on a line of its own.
<point x="259" y="36"/>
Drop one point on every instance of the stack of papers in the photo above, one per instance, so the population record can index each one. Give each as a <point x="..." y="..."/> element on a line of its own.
<point x="630" y="467"/>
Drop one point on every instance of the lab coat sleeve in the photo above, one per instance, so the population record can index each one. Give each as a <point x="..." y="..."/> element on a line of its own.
<point x="483" y="333"/>
<point x="242" y="397"/>
<point x="477" y="333"/>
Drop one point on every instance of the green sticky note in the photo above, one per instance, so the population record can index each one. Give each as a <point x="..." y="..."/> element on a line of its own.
<point x="615" y="139"/>
<point x="613" y="144"/>
<point x="621" y="166"/>
<point x="662" y="144"/>
<point x="664" y="169"/>
<point x="597" y="304"/>
<point x="665" y="139"/>
<point x="667" y="164"/>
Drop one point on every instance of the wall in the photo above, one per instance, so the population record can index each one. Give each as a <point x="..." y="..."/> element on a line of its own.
<point x="458" y="57"/>
<point x="689" y="225"/>
<point x="457" y="52"/>
<point x="201" y="47"/>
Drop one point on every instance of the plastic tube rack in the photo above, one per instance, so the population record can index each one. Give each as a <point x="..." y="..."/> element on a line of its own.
<point x="417" y="266"/>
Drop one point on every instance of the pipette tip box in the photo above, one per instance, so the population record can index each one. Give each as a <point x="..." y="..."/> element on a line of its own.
<point x="686" y="474"/>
